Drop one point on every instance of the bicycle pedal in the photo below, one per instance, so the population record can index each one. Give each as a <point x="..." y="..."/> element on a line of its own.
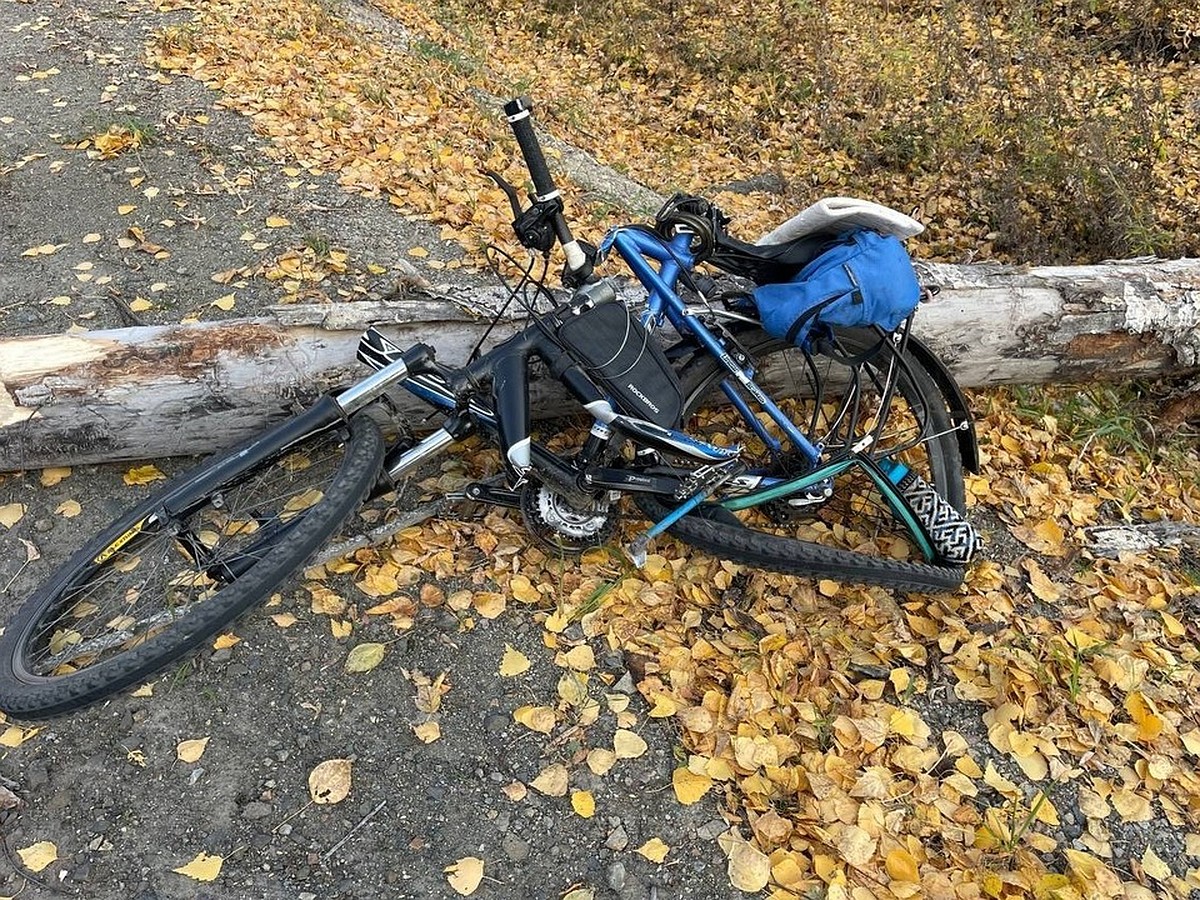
<point x="637" y="549"/>
<point x="708" y="478"/>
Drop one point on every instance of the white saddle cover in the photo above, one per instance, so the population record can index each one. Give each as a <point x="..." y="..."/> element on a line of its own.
<point x="842" y="214"/>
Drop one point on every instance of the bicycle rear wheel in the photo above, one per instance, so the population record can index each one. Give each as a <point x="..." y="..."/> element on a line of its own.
<point x="836" y="398"/>
<point x="179" y="567"/>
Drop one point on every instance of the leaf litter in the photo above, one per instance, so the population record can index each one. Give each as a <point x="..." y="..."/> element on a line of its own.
<point x="772" y="702"/>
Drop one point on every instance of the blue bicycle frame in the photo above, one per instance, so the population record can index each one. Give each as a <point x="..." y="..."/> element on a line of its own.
<point x="637" y="247"/>
<point x="508" y="414"/>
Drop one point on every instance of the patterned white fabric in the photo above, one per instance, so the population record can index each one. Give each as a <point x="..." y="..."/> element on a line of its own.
<point x="841" y="214"/>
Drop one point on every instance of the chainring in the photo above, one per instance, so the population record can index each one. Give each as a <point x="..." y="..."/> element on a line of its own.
<point x="561" y="525"/>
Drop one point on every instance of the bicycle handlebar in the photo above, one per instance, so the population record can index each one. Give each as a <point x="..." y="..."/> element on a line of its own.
<point x="519" y="112"/>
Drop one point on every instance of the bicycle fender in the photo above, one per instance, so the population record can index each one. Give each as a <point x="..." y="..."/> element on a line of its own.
<point x="956" y="402"/>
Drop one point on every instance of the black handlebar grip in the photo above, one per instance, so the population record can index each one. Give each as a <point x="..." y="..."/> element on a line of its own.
<point x="519" y="112"/>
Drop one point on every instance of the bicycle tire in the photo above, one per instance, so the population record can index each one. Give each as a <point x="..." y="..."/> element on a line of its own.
<point x="304" y="521"/>
<point x="719" y="532"/>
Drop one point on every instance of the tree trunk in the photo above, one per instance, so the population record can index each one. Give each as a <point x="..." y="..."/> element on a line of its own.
<point x="167" y="390"/>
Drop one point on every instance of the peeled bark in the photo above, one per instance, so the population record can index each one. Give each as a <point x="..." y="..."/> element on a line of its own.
<point x="167" y="390"/>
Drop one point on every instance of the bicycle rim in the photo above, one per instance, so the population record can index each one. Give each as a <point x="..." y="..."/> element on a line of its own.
<point x="153" y="585"/>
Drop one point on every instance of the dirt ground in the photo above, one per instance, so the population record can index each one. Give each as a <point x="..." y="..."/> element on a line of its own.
<point x="105" y="785"/>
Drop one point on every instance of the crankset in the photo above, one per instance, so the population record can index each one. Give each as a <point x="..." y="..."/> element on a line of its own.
<point x="561" y="524"/>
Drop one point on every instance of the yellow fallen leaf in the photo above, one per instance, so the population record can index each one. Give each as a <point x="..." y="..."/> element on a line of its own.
<point x="654" y="850"/>
<point x="489" y="604"/>
<point x="749" y="869"/>
<point x="627" y="744"/>
<point x="143" y="475"/>
<point x="277" y="222"/>
<point x="140" y="304"/>
<point x="1039" y="582"/>
<point x="15" y="736"/>
<point x="329" y="782"/>
<point x="190" y="751"/>
<point x="226" y="303"/>
<point x="146" y="690"/>
<point x="856" y="845"/>
<point x="828" y="587"/>
<point x="419" y="252"/>
<point x="225" y="641"/>
<point x="427" y="732"/>
<point x="551" y="781"/>
<point x="1154" y="865"/>
<point x="324" y="601"/>
<point x="69" y="509"/>
<point x="91" y="238"/>
<point x="600" y="760"/>
<point x="37" y="856"/>
<point x="365" y="657"/>
<point x="202" y="868"/>
<point x="902" y="865"/>
<point x="11" y="514"/>
<point x="464" y="876"/>
<point x="664" y="707"/>
<point x="583" y="803"/>
<point x="52" y="476"/>
<point x="536" y="718"/>
<point x="689" y="787"/>
<point x="572" y="687"/>
<point x="1149" y="725"/>
<point x="1131" y="806"/>
<point x="1095" y="879"/>
<point x="513" y="663"/>
<point x="580" y="658"/>
<point x="341" y="628"/>
<point x="125" y="209"/>
<point x="284" y="620"/>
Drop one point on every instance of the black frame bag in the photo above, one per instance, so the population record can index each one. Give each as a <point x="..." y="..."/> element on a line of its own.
<point x="621" y="356"/>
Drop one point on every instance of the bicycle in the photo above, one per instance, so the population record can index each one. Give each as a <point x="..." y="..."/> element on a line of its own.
<point x="854" y="473"/>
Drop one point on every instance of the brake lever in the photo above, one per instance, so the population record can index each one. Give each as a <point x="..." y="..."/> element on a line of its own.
<point x="514" y="199"/>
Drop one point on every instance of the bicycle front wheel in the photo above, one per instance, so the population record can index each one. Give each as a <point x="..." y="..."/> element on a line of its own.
<point x="854" y="389"/>
<point x="178" y="568"/>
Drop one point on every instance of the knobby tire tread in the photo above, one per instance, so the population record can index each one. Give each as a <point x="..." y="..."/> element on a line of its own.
<point x="47" y="697"/>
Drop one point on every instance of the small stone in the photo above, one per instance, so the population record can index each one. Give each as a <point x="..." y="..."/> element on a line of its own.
<point x="618" y="840"/>
<point x="514" y="848"/>
<point x="616" y="876"/>
<point x="624" y="684"/>
<point x="36" y="775"/>
<point x="709" y="831"/>
<point x="223" y="655"/>
<point x="285" y="829"/>
<point x="256" y="809"/>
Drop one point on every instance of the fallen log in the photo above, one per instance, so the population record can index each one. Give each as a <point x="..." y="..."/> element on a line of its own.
<point x="156" y="391"/>
<point x="1113" y="540"/>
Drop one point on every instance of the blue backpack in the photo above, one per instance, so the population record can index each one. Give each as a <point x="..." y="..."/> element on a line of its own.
<point x="865" y="278"/>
